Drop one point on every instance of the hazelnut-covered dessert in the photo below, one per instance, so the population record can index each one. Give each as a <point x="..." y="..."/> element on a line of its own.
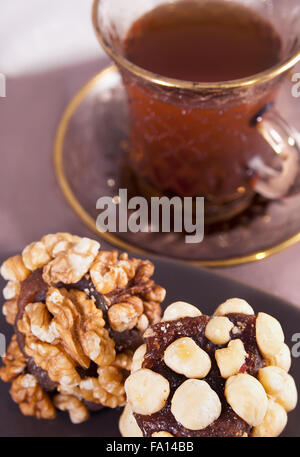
<point x="78" y="313"/>
<point x="201" y="376"/>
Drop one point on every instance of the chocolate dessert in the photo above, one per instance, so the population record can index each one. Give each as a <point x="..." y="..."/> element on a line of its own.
<point x="79" y="313"/>
<point x="219" y="376"/>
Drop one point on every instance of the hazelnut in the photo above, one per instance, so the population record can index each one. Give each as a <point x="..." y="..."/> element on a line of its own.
<point x="230" y="359"/>
<point x="282" y="359"/>
<point x="195" y="405"/>
<point x="128" y="425"/>
<point x="124" y="316"/>
<point x="280" y="386"/>
<point x="179" y="310"/>
<point x="234" y="305"/>
<point x="218" y="330"/>
<point x="247" y="398"/>
<point x="162" y="434"/>
<point x="147" y="392"/>
<point x="138" y="358"/>
<point x="185" y="357"/>
<point x="142" y="323"/>
<point x="274" y="422"/>
<point x="269" y="335"/>
<point x="148" y="333"/>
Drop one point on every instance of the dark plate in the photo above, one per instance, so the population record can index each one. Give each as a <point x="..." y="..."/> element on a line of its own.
<point x="199" y="287"/>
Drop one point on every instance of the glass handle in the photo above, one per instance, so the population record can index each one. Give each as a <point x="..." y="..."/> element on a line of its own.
<point x="275" y="183"/>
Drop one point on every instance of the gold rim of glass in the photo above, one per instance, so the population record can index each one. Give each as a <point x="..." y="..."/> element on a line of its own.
<point x="258" y="78"/>
<point x="114" y="239"/>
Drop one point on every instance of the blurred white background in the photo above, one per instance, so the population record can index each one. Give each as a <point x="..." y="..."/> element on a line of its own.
<point x="36" y="35"/>
<point x="48" y="51"/>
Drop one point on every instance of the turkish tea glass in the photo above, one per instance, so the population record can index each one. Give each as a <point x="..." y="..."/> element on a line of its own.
<point x="224" y="140"/>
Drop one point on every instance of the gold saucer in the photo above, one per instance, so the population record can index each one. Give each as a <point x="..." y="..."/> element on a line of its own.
<point x="88" y="151"/>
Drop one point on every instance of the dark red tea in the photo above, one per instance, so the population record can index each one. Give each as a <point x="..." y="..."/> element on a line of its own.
<point x="180" y="147"/>
<point x="203" y="41"/>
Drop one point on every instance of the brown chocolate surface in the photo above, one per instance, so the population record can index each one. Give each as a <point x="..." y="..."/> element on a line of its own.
<point x="130" y="339"/>
<point x="33" y="289"/>
<point x="41" y="375"/>
<point x="86" y="285"/>
<point x="228" y="424"/>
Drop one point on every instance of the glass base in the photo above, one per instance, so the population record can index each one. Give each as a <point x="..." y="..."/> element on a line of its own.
<point x="213" y="213"/>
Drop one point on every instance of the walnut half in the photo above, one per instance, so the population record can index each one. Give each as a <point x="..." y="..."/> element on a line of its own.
<point x="124" y="316"/>
<point x="107" y="389"/>
<point x="31" y="398"/>
<point x="77" y="410"/>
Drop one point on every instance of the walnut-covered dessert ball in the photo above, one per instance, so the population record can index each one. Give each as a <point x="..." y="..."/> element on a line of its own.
<point x="219" y="376"/>
<point x="79" y="314"/>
